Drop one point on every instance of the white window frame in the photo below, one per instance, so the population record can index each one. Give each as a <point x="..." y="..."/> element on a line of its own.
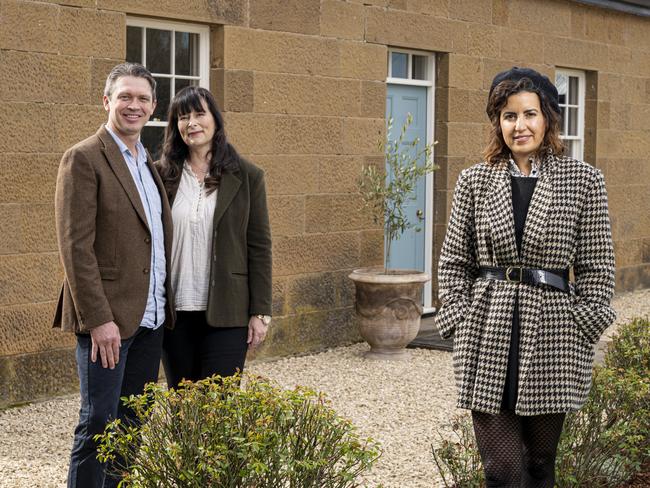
<point x="580" y="137"/>
<point x="429" y="70"/>
<point x="204" y="52"/>
<point x="430" y="84"/>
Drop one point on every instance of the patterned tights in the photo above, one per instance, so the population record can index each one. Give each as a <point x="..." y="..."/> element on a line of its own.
<point x="518" y="452"/>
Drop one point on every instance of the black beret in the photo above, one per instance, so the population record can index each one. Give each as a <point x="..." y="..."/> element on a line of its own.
<point x="542" y="83"/>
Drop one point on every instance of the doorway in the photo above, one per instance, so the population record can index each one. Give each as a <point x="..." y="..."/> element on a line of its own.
<point x="410" y="92"/>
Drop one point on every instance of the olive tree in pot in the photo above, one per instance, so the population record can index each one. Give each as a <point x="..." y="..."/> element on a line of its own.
<point x="389" y="301"/>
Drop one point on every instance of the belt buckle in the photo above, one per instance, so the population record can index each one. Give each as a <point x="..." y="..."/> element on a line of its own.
<point x="511" y="268"/>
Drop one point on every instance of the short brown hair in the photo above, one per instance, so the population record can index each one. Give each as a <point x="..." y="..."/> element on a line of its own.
<point x="129" y="69"/>
<point x="497" y="151"/>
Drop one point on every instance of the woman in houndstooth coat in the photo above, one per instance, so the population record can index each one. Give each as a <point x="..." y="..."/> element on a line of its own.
<point x="523" y="335"/>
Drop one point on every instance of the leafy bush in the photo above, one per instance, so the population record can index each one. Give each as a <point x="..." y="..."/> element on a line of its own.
<point x="630" y="347"/>
<point x="216" y="433"/>
<point x="608" y="440"/>
<point x="458" y="461"/>
<point x="604" y="444"/>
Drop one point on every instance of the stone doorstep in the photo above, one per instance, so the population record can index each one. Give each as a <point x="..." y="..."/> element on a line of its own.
<point x="428" y="338"/>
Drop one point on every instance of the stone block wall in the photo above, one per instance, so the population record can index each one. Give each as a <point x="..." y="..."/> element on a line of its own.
<point x="54" y="58"/>
<point x="302" y="86"/>
<point x="309" y="109"/>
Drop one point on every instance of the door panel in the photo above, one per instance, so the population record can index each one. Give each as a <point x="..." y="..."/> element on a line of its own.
<point x="408" y="251"/>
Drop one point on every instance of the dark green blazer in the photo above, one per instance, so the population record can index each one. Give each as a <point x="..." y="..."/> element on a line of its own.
<point x="241" y="263"/>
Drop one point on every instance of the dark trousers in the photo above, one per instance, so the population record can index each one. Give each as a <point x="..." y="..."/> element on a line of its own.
<point x="194" y="350"/>
<point x="101" y="389"/>
<point x="518" y="451"/>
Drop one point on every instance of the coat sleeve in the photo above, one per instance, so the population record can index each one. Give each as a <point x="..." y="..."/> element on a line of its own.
<point x="260" y="262"/>
<point x="457" y="268"/>
<point x="75" y="209"/>
<point x="594" y="264"/>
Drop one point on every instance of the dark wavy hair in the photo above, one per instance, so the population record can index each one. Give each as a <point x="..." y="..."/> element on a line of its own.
<point x="497" y="152"/>
<point x="223" y="156"/>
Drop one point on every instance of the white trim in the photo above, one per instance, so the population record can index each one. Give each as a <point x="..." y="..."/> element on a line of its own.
<point x="409" y="67"/>
<point x="178" y="77"/>
<point x="404" y="81"/>
<point x="409" y="51"/>
<point x="428" y="185"/>
<point x="580" y="137"/>
<point x="167" y="25"/>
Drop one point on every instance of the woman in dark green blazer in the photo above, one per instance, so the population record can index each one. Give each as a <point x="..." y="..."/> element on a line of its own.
<point x="221" y="252"/>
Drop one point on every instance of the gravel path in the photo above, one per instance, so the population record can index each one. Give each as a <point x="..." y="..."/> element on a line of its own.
<point x="399" y="403"/>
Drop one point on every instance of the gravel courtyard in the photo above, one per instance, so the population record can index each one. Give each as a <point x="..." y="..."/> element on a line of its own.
<point x="399" y="403"/>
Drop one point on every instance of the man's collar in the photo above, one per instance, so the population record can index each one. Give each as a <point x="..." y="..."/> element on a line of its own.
<point x="123" y="147"/>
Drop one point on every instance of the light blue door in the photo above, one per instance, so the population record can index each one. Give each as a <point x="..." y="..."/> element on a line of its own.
<point x="407" y="252"/>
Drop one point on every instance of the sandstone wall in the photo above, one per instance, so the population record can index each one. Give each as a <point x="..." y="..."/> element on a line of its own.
<point x="302" y="86"/>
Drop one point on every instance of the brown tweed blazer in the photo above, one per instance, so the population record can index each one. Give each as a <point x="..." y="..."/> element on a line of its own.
<point x="104" y="240"/>
<point x="567" y="226"/>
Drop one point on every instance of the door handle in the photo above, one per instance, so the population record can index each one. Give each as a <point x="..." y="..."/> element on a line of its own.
<point x="420" y="214"/>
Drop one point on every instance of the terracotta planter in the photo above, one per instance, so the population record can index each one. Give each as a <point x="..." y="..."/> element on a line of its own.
<point x="389" y="307"/>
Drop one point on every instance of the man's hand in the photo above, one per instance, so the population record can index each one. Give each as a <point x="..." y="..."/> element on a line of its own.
<point x="256" y="332"/>
<point x="106" y="340"/>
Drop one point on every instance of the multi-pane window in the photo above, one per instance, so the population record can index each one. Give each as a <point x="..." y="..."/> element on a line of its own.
<point x="571" y="88"/>
<point x="177" y="55"/>
<point x="408" y="66"/>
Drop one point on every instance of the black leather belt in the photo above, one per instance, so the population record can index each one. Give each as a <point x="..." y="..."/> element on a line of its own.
<point x="557" y="278"/>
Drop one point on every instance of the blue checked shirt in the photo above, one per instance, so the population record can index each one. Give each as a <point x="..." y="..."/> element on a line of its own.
<point x="154" y="314"/>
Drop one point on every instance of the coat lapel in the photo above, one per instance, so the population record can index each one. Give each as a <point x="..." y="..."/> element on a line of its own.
<point x="533" y="246"/>
<point x="502" y="222"/>
<point x="228" y="188"/>
<point x="118" y="165"/>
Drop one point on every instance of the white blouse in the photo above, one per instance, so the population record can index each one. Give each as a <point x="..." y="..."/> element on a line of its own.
<point x="192" y="214"/>
<point x="535" y="168"/>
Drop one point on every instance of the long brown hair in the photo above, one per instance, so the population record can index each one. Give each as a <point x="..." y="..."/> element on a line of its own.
<point x="223" y="156"/>
<point x="497" y="152"/>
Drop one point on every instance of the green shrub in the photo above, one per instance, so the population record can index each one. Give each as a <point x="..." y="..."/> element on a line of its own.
<point x="630" y="347"/>
<point x="608" y="440"/>
<point x="458" y="460"/>
<point x="216" y="433"/>
<point x="604" y="444"/>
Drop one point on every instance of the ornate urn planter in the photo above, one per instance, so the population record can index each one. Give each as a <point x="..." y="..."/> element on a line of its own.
<point x="388" y="308"/>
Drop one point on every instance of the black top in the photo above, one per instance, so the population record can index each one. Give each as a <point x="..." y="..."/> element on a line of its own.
<point x="522" y="194"/>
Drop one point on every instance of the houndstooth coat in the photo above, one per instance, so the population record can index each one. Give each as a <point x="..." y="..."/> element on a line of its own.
<point x="567" y="225"/>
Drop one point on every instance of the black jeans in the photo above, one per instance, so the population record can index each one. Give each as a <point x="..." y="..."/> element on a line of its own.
<point x="194" y="350"/>
<point x="101" y="389"/>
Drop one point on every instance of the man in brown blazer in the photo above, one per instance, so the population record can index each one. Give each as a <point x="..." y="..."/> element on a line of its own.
<point x="114" y="233"/>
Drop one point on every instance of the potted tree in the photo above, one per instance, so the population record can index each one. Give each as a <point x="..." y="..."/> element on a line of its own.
<point x="389" y="301"/>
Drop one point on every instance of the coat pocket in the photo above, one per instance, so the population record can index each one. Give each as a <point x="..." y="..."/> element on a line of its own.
<point x="449" y="316"/>
<point x="108" y="273"/>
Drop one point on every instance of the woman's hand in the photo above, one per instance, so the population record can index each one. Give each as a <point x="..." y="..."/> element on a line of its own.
<point x="256" y="332"/>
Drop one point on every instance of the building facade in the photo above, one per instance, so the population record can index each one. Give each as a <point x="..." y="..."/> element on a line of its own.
<point x="306" y="87"/>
